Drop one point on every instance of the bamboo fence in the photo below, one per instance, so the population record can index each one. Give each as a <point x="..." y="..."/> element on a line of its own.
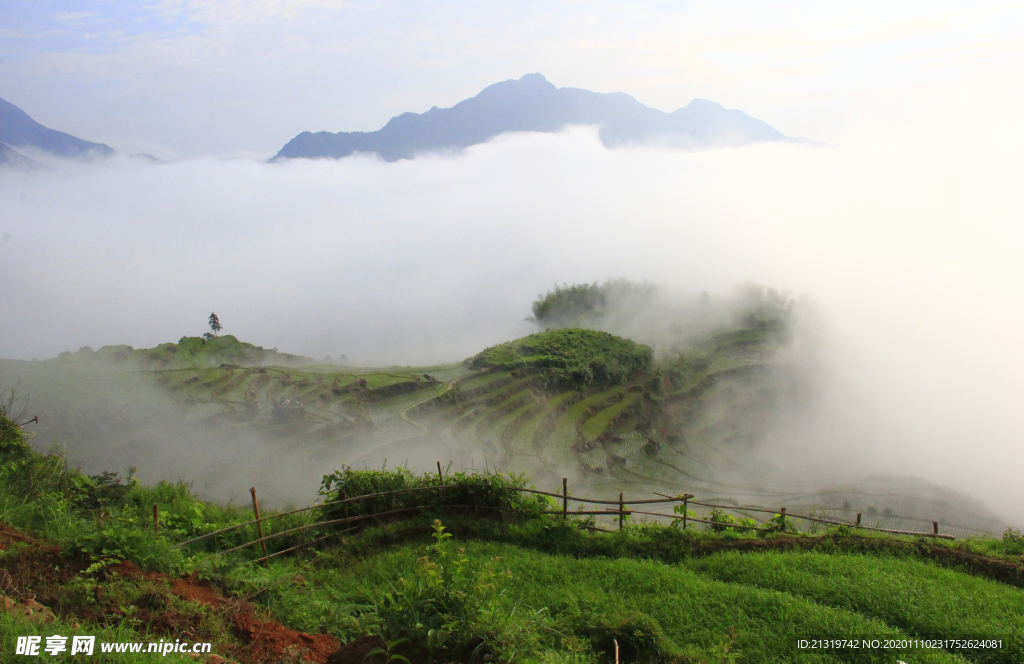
<point x="621" y="511"/>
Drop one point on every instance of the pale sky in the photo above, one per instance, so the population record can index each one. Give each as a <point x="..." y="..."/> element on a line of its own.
<point x="184" y="78"/>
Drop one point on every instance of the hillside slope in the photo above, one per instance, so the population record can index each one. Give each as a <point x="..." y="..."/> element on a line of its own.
<point x="373" y="564"/>
<point x="18" y="130"/>
<point x="581" y="404"/>
<point x="11" y="157"/>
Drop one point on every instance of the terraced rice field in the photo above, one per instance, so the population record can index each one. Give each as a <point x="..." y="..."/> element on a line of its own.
<point x="676" y="428"/>
<point x="604" y="441"/>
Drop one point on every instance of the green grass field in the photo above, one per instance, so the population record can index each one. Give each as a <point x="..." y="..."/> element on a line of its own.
<point x="919" y="598"/>
<point x="751" y="607"/>
<point x="512" y="585"/>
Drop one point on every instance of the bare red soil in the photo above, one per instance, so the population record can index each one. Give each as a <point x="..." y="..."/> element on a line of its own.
<point x="38" y="571"/>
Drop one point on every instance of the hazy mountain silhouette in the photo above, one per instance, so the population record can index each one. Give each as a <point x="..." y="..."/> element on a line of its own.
<point x="534" y="104"/>
<point x="11" y="157"/>
<point x="18" y="130"/>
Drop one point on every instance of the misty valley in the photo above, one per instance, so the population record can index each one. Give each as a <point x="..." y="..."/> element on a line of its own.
<point x="785" y="428"/>
<point x="595" y="408"/>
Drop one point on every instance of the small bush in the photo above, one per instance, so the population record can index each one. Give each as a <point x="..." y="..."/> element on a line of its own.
<point x="1013" y="542"/>
<point x="125" y="542"/>
<point x="721" y="522"/>
<point x="103" y="491"/>
<point x="445" y="605"/>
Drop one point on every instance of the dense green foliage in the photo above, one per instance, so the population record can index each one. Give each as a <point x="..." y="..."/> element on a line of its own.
<point x="404" y="490"/>
<point x="94" y="522"/>
<point x="102" y="517"/>
<point x="571" y="357"/>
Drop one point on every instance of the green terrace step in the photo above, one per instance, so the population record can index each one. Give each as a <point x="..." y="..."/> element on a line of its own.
<point x="596" y="425"/>
<point x="501" y="389"/>
<point x="496" y="429"/>
<point x="481" y="380"/>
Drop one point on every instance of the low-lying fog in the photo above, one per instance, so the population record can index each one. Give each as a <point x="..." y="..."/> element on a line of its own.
<point x="905" y="251"/>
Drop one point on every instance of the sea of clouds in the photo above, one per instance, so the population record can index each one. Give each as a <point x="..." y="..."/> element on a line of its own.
<point x="906" y="247"/>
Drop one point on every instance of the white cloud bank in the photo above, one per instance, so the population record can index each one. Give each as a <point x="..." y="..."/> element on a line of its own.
<point x="911" y="248"/>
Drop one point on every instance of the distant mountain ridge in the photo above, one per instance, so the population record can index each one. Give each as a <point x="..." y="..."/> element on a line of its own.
<point x="533" y="104"/>
<point x="12" y="157"/>
<point x="18" y="130"/>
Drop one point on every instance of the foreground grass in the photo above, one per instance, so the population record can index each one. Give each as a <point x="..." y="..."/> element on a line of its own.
<point x="656" y="612"/>
<point x="923" y="600"/>
<point x="11" y="628"/>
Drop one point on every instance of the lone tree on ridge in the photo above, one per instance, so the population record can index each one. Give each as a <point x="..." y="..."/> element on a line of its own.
<point x="215" y="324"/>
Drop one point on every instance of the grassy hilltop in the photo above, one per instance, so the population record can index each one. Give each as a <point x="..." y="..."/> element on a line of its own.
<point x="188" y="353"/>
<point x="571" y="358"/>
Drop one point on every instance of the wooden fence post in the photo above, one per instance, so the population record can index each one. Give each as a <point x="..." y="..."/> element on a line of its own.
<point x="259" y="523"/>
<point x="622" y="509"/>
<point x="440" y="475"/>
<point x="858" y="519"/>
<point x="565" y="498"/>
<point x="686" y="502"/>
<point x="156" y="520"/>
<point x="935" y="527"/>
<point x="782" y="521"/>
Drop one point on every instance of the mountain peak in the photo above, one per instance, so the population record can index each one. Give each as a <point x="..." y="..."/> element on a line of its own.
<point x="532" y="103"/>
<point x="535" y="80"/>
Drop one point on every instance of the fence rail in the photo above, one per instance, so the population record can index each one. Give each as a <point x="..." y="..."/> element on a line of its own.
<point x="258" y="520"/>
<point x="619" y="511"/>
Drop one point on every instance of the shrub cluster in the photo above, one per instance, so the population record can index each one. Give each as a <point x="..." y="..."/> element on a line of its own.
<point x="389" y="490"/>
